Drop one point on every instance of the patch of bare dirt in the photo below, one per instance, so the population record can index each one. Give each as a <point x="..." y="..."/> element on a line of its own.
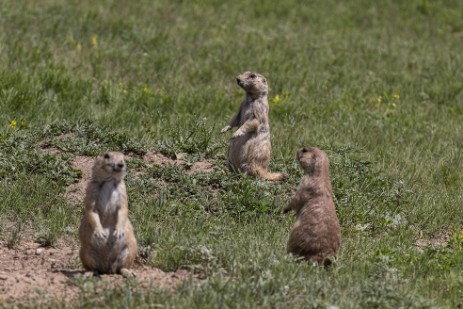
<point x="43" y="148"/>
<point x="30" y="272"/>
<point x="65" y="136"/>
<point x="49" y="150"/>
<point x="441" y="239"/>
<point x="76" y="192"/>
<point x="157" y="158"/>
<point x="201" y="167"/>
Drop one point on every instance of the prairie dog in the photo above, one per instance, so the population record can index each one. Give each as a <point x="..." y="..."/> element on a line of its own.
<point x="108" y="243"/>
<point x="249" y="148"/>
<point x="316" y="234"/>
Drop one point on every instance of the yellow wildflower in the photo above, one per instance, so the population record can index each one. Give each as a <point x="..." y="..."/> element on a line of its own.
<point x="13" y="123"/>
<point x="379" y="99"/>
<point x="396" y="96"/>
<point x="121" y="86"/>
<point x="276" y="99"/>
<point x="79" y="47"/>
<point x="94" y="41"/>
<point x="146" y="89"/>
<point x="393" y="105"/>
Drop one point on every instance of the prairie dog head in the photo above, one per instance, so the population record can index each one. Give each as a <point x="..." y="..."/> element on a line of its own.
<point x="109" y="165"/>
<point x="313" y="161"/>
<point x="252" y="83"/>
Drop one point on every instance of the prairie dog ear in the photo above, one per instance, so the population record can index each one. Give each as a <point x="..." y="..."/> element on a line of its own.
<point x="264" y="80"/>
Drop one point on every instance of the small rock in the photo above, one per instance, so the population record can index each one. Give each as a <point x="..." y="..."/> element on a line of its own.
<point x="39" y="251"/>
<point x="3" y="277"/>
<point x="29" y="275"/>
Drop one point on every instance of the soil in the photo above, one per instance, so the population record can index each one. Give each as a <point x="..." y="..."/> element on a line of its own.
<point x="157" y="158"/>
<point x="201" y="167"/>
<point x="76" y="192"/>
<point x="45" y="149"/>
<point x="29" y="272"/>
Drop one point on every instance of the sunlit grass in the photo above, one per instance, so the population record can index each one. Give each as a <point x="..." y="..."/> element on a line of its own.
<point x="377" y="85"/>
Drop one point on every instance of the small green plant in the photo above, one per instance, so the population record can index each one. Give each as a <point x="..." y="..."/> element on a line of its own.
<point x="14" y="236"/>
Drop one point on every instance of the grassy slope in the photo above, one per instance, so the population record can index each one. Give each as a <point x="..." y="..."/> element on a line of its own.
<point x="160" y="75"/>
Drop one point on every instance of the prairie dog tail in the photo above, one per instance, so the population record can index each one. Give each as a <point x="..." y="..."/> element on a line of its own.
<point x="265" y="174"/>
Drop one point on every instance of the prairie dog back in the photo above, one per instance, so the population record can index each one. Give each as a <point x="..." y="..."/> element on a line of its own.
<point x="316" y="234"/>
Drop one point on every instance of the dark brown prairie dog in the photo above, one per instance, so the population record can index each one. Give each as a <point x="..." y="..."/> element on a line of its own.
<point x="108" y="244"/>
<point x="316" y="234"/>
<point x="249" y="149"/>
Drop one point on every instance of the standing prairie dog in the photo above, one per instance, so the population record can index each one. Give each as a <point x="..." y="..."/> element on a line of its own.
<point x="316" y="234"/>
<point x="249" y="149"/>
<point x="108" y="244"/>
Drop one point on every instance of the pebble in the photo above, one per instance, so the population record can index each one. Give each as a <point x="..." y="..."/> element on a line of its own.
<point x="39" y="251"/>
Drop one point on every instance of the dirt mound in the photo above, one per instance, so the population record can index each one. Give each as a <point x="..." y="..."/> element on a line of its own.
<point x="76" y="191"/>
<point x="46" y="149"/>
<point x="30" y="272"/>
<point x="157" y="158"/>
<point x="201" y="167"/>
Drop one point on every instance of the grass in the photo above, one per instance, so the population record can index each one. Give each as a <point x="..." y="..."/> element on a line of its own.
<point x="375" y="84"/>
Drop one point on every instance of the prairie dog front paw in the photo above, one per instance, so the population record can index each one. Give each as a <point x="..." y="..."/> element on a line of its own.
<point x="225" y="129"/>
<point x="118" y="234"/>
<point x="238" y="133"/>
<point x="101" y="235"/>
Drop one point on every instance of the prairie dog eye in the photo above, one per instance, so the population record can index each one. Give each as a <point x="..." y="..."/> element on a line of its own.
<point x="253" y="76"/>
<point x="106" y="156"/>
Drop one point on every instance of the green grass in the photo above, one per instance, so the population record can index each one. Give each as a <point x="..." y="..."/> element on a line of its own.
<point x="377" y="84"/>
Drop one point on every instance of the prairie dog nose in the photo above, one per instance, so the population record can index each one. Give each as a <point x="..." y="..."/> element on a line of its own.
<point x="120" y="165"/>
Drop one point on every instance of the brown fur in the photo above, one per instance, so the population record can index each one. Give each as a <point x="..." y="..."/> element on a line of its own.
<point x="249" y="149"/>
<point x="316" y="234"/>
<point x="108" y="244"/>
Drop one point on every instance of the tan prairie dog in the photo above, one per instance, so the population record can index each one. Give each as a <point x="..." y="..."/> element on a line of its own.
<point x="108" y="243"/>
<point x="249" y="149"/>
<point x="316" y="234"/>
